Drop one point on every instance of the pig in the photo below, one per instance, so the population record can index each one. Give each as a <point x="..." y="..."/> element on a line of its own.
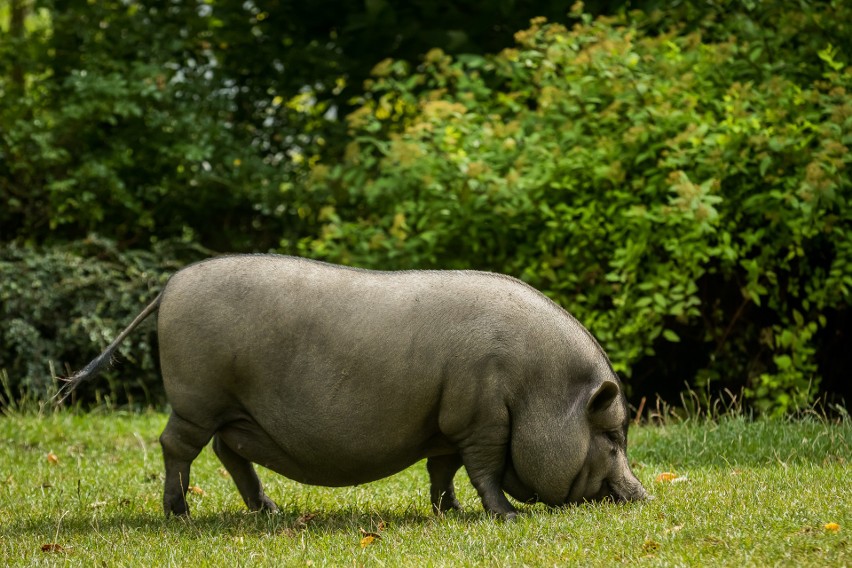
<point x="338" y="376"/>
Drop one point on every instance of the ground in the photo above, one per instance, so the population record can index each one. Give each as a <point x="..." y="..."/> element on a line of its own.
<point x="85" y="489"/>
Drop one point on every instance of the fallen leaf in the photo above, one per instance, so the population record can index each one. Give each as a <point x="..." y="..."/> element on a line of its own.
<point x="832" y="527"/>
<point x="305" y="518"/>
<point x="196" y="489"/>
<point x="52" y="547"/>
<point x="650" y="545"/>
<point x="674" y="529"/>
<point x="669" y="477"/>
<point x="369" y="538"/>
<point x="51" y="457"/>
<point x="98" y="504"/>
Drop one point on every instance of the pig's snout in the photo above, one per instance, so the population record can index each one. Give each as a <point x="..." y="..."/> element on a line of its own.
<point x="628" y="492"/>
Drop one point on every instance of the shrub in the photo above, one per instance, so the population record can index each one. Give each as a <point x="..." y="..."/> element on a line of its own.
<point x="59" y="307"/>
<point x="672" y="192"/>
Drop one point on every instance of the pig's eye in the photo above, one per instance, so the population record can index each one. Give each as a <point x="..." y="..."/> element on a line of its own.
<point x="613" y="436"/>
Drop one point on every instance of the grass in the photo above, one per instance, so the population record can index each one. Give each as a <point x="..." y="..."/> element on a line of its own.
<point x="753" y="493"/>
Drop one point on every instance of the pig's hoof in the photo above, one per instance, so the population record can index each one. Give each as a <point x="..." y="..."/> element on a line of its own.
<point x="184" y="514"/>
<point x="264" y="504"/>
<point x="445" y="505"/>
<point x="176" y="508"/>
<point x="506" y="516"/>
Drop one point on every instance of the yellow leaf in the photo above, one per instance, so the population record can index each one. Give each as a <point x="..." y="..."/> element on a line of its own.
<point x="51" y="457"/>
<point x="666" y="476"/>
<point x="832" y="527"/>
<point x="196" y="489"/>
<point x="369" y="538"/>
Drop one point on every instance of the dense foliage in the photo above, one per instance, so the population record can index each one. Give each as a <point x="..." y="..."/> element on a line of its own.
<point x="660" y="186"/>
<point x="151" y="120"/>
<point x="677" y="179"/>
<point x="66" y="302"/>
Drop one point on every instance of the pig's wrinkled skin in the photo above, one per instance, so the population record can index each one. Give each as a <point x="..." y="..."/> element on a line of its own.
<point x="339" y="376"/>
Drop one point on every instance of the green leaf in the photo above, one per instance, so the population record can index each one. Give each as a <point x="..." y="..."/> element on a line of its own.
<point x="671" y="336"/>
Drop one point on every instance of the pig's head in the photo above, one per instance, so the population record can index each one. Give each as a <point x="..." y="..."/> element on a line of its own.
<point x="574" y="454"/>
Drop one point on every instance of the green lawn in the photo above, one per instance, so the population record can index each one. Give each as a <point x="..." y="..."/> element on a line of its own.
<point x="751" y="493"/>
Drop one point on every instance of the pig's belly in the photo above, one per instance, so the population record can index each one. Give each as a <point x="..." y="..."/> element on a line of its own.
<point x="349" y="459"/>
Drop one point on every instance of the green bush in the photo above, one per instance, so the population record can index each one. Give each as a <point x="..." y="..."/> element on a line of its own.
<point x="59" y="307"/>
<point x="683" y="190"/>
<point x="664" y="187"/>
<point x="124" y="125"/>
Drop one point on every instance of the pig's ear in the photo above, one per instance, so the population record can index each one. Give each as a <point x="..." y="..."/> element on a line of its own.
<point x="601" y="409"/>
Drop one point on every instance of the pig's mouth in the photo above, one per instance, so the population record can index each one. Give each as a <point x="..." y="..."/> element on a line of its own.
<point x="607" y="491"/>
<point x="625" y="493"/>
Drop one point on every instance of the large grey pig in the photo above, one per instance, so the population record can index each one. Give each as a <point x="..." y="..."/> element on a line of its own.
<point x="339" y="376"/>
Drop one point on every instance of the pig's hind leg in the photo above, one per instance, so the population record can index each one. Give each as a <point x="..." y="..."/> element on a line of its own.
<point x="441" y="470"/>
<point x="181" y="441"/>
<point x="244" y="476"/>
